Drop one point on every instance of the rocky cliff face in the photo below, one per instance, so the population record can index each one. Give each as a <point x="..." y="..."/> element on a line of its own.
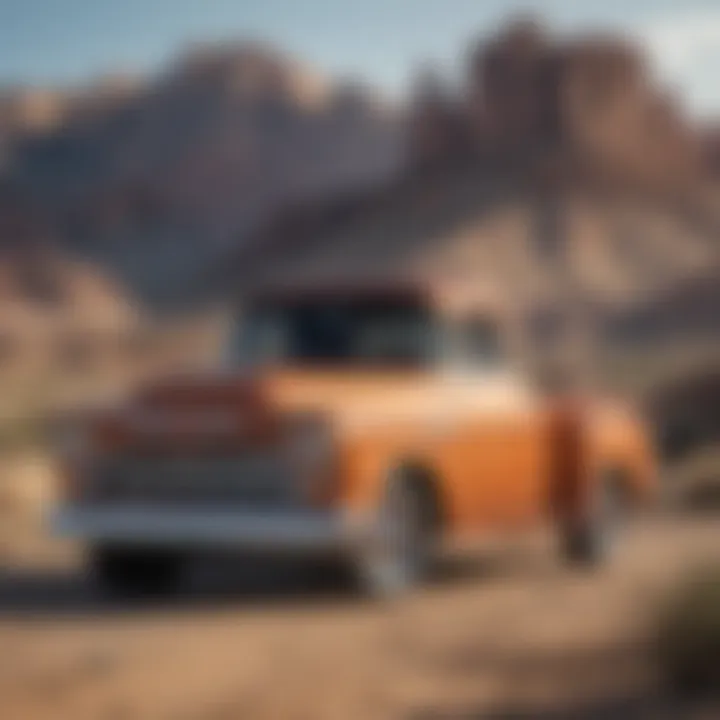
<point x="156" y="180"/>
<point x="588" y="104"/>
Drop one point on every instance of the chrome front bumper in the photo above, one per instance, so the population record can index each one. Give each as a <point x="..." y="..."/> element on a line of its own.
<point x="276" y="531"/>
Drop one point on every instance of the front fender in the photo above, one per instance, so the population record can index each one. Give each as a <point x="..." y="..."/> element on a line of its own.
<point x="366" y="461"/>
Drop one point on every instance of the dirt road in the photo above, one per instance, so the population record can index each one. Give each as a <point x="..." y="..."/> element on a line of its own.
<point x="511" y="633"/>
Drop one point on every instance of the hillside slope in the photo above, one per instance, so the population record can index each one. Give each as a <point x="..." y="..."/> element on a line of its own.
<point x="626" y="257"/>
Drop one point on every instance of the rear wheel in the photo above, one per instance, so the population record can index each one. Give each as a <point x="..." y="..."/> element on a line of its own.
<point x="129" y="572"/>
<point x="594" y="540"/>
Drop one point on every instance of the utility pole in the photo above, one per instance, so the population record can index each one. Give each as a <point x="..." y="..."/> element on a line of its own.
<point x="571" y="333"/>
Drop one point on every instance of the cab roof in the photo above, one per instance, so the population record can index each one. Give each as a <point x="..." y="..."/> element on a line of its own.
<point x="450" y="294"/>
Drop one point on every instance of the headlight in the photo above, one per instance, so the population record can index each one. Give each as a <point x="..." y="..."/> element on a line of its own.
<point x="310" y="451"/>
<point x="308" y="443"/>
<point x="75" y="455"/>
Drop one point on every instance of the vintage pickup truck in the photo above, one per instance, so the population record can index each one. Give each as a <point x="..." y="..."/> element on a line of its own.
<point x="374" y="423"/>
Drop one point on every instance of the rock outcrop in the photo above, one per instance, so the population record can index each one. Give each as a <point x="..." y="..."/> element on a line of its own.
<point x="587" y="105"/>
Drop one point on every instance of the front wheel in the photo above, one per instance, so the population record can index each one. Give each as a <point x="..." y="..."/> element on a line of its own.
<point x="398" y="555"/>
<point x="131" y="572"/>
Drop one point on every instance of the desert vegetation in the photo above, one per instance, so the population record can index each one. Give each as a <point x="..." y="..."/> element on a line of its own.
<point x="688" y="635"/>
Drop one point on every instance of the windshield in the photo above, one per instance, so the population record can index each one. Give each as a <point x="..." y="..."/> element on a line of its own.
<point x="354" y="331"/>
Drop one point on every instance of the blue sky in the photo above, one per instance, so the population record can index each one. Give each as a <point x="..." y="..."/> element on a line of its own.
<point x="70" y="41"/>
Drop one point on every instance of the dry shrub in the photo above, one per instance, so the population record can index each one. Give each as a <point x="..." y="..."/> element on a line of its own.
<point x="695" y="482"/>
<point x="688" y="640"/>
<point x="704" y="496"/>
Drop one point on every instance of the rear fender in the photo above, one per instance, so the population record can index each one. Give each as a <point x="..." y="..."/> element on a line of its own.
<point x="588" y="447"/>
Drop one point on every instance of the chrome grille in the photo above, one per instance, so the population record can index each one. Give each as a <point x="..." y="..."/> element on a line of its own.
<point x="248" y="480"/>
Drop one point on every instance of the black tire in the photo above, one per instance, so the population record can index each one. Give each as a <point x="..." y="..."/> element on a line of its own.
<point x="594" y="541"/>
<point x="400" y="553"/>
<point x="135" y="572"/>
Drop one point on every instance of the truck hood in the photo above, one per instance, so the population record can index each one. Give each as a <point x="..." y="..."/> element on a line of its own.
<point x="235" y="408"/>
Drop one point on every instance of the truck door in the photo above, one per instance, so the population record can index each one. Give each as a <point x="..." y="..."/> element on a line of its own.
<point x="503" y="430"/>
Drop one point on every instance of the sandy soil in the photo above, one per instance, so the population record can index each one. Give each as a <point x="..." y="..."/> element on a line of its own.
<point x="510" y="633"/>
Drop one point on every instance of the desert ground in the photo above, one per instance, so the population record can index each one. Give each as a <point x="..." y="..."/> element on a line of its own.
<point x="509" y="632"/>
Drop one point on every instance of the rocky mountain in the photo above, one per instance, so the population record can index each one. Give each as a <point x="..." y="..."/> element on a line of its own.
<point x="560" y="172"/>
<point x="154" y="180"/>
